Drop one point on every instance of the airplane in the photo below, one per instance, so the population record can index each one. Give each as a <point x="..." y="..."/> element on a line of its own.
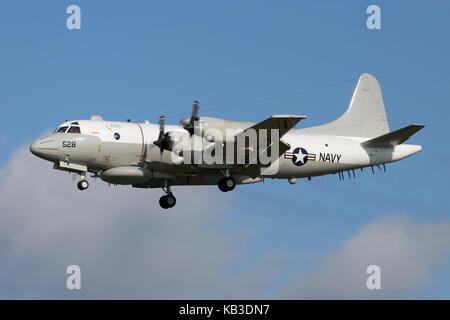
<point x="151" y="155"/>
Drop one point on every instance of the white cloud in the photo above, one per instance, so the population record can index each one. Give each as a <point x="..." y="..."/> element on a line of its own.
<point x="124" y="243"/>
<point x="406" y="251"/>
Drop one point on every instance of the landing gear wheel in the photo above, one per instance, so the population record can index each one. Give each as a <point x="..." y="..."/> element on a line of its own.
<point x="222" y="187"/>
<point x="226" y="184"/>
<point x="167" y="201"/>
<point x="83" y="184"/>
<point x="162" y="202"/>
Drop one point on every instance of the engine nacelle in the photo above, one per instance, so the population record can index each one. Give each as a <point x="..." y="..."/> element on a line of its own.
<point x="215" y="129"/>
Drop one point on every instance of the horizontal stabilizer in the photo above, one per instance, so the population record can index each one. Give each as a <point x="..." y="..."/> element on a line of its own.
<point x="393" y="138"/>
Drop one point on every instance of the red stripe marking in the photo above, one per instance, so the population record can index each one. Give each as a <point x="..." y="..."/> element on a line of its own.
<point x="142" y="135"/>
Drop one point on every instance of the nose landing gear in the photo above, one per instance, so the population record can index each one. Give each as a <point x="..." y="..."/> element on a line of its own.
<point x="168" y="201"/>
<point x="83" y="184"/>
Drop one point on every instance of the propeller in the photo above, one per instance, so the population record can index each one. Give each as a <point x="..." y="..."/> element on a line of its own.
<point x="194" y="117"/>
<point x="164" y="142"/>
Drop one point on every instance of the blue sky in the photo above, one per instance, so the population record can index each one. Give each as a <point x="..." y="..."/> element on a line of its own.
<point x="246" y="60"/>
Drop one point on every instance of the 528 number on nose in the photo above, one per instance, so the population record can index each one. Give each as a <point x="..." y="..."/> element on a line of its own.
<point x="69" y="144"/>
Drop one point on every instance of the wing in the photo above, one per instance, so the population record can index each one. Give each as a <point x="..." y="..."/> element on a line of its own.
<point x="281" y="123"/>
<point x="271" y="129"/>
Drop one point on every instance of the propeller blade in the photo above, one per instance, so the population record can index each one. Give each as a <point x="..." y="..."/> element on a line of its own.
<point x="162" y="124"/>
<point x="164" y="141"/>
<point x="194" y="117"/>
<point x="195" y="108"/>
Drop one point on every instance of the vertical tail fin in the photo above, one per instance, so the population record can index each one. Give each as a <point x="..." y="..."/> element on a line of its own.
<point x="365" y="116"/>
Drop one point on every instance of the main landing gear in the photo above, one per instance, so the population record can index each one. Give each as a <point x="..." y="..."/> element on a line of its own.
<point x="226" y="184"/>
<point x="168" y="201"/>
<point x="83" y="184"/>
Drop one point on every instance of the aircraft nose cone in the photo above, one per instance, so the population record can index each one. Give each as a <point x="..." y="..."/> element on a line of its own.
<point x="45" y="148"/>
<point x="34" y="147"/>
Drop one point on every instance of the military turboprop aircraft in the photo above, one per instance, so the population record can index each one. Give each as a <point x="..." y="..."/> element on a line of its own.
<point x="147" y="155"/>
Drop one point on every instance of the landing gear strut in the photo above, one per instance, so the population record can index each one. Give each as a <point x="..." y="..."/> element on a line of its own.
<point x="83" y="184"/>
<point x="169" y="200"/>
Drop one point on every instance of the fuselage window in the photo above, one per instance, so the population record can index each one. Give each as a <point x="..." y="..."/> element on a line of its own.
<point x="73" y="129"/>
<point x="62" y="130"/>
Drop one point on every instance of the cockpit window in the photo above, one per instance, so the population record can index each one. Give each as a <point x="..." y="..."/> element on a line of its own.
<point x="75" y="123"/>
<point x="74" y="129"/>
<point x="62" y="130"/>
